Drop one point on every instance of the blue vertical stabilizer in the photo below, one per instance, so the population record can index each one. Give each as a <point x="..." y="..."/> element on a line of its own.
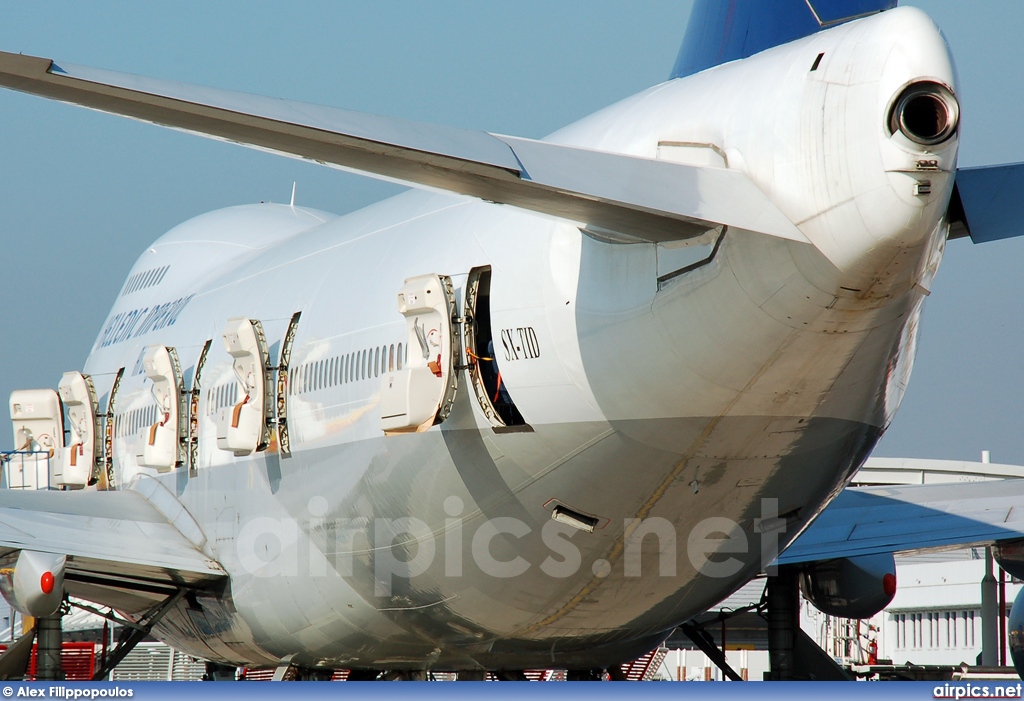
<point x="725" y="30"/>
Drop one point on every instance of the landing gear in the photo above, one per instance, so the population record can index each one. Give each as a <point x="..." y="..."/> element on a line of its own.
<point x="50" y="644"/>
<point x="792" y="654"/>
<point x="783" y="623"/>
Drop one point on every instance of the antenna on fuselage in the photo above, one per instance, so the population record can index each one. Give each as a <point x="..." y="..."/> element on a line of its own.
<point x="293" y="192"/>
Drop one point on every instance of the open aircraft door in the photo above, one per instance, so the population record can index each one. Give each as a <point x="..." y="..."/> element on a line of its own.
<point x="38" y="419"/>
<point x="163" y="442"/>
<point x="420" y="394"/>
<point x="84" y="450"/>
<point x="284" y="441"/>
<point x="245" y="427"/>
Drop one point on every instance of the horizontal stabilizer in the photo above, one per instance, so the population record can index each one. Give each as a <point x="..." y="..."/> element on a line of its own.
<point x="642" y="198"/>
<point x="874" y="520"/>
<point x="990" y="201"/>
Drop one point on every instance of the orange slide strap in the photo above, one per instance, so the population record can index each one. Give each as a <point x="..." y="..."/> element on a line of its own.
<point x="474" y="356"/>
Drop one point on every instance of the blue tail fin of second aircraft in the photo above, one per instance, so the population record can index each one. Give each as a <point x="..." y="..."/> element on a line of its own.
<point x="725" y="30"/>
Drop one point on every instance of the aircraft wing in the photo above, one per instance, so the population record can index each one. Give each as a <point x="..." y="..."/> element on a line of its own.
<point x="874" y="520"/>
<point x="125" y="548"/>
<point x="642" y="198"/>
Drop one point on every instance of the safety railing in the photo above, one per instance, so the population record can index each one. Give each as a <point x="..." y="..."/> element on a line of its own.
<point x="25" y="469"/>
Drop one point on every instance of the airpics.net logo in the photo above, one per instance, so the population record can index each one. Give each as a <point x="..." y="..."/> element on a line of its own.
<point x="504" y="547"/>
<point x="978" y="691"/>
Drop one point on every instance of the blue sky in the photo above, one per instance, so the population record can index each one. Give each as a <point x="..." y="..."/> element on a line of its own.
<point x="82" y="194"/>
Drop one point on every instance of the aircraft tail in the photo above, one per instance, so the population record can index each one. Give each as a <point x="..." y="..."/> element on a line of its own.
<point x="720" y="31"/>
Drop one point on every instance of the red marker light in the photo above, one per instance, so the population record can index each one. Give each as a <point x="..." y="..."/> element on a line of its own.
<point x="889" y="584"/>
<point x="46" y="582"/>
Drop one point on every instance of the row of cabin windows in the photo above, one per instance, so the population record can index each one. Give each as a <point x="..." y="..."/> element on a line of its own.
<point x="147" y="278"/>
<point x="309" y="377"/>
<point x="343" y="369"/>
<point x="131" y="422"/>
<point x="936" y="630"/>
<point x="222" y="396"/>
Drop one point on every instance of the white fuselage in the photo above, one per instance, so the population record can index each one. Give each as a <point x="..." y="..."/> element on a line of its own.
<point x="765" y="371"/>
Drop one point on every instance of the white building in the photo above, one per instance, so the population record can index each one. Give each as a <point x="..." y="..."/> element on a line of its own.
<point x="934" y="619"/>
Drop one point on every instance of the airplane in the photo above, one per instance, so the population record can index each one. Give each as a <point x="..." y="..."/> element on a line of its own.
<point x="440" y="432"/>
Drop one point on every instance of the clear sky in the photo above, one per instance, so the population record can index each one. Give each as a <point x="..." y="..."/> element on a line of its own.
<point x="82" y="194"/>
